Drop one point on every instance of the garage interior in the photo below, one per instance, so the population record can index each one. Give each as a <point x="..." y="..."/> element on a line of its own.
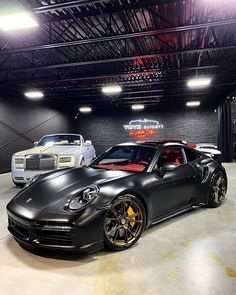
<point x="151" y="49"/>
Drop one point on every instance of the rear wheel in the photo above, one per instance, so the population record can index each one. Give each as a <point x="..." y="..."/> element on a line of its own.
<point x="218" y="188"/>
<point x="124" y="223"/>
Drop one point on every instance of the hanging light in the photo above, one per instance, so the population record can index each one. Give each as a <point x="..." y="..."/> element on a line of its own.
<point x="137" y="107"/>
<point x="17" y="21"/>
<point x="34" y="94"/>
<point x="194" y="103"/>
<point x="85" y="109"/>
<point x="197" y="83"/>
<point x="112" y="89"/>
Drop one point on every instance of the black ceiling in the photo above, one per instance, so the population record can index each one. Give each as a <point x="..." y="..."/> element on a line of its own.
<point x="149" y="47"/>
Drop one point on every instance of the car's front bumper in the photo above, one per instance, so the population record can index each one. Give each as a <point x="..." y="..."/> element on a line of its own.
<point x="59" y="236"/>
<point x="23" y="176"/>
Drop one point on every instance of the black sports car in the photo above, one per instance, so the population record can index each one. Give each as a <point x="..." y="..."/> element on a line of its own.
<point x="110" y="202"/>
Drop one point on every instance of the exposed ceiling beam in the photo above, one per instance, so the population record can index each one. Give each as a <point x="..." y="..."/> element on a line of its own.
<point x="64" y="5"/>
<point x="98" y="93"/>
<point x="129" y="84"/>
<point x="118" y="37"/>
<point x="78" y="3"/>
<point x="118" y="59"/>
<point x="107" y="8"/>
<point x="141" y="95"/>
<point x="108" y="76"/>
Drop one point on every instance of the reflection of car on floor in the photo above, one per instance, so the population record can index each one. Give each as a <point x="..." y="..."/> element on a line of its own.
<point x="110" y="202"/>
<point x="52" y="152"/>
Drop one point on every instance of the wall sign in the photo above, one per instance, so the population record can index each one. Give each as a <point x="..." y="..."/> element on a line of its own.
<point x="143" y="128"/>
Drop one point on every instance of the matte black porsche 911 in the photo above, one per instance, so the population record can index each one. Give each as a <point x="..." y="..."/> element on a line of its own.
<point x="110" y="202"/>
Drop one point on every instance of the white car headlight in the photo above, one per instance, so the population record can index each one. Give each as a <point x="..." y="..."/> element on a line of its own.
<point x="19" y="161"/>
<point x="83" y="198"/>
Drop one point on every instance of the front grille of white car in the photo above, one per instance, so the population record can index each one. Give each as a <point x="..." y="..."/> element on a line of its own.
<point x="40" y="162"/>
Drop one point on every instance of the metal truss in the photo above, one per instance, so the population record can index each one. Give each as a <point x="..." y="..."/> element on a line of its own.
<point x="120" y="36"/>
<point x="140" y="44"/>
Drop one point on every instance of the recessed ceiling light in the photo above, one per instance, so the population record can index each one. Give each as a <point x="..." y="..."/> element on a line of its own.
<point x="195" y="83"/>
<point x="17" y="21"/>
<point x="34" y="94"/>
<point x="85" y="109"/>
<point x="194" y="103"/>
<point x="112" y="89"/>
<point x="137" y="107"/>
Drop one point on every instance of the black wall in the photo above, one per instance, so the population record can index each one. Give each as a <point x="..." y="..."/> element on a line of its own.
<point x="22" y="122"/>
<point x="107" y="129"/>
<point x="18" y="117"/>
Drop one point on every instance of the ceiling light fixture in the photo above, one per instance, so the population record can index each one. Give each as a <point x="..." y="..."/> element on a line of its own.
<point x="197" y="83"/>
<point x="34" y="94"/>
<point x="137" y="107"/>
<point x="195" y="103"/>
<point x="85" y="109"/>
<point x="112" y="89"/>
<point x="17" y="21"/>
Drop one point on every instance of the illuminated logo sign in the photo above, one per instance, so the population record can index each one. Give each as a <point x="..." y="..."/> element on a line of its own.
<point x="143" y="128"/>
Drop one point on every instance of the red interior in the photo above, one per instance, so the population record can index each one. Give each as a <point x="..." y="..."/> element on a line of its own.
<point x="171" y="156"/>
<point x="130" y="167"/>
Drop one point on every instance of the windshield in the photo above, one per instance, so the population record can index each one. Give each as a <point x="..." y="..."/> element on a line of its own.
<point x="60" y="139"/>
<point x="129" y="158"/>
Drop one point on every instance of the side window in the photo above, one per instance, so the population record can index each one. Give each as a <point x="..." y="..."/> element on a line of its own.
<point x="191" y="155"/>
<point x="171" y="155"/>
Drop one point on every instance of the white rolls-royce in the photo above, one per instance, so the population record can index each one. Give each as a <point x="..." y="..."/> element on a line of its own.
<point x="54" y="151"/>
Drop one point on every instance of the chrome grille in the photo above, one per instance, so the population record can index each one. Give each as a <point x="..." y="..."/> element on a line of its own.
<point x="40" y="162"/>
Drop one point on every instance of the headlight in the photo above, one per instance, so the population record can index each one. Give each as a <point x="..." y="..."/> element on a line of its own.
<point x="19" y="161"/>
<point x="65" y="159"/>
<point x="83" y="198"/>
<point x="32" y="180"/>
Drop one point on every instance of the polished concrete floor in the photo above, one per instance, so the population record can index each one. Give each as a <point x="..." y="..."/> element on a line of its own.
<point x="194" y="253"/>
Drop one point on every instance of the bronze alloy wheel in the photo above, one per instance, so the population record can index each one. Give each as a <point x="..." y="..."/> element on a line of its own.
<point x="124" y="223"/>
<point x="218" y="189"/>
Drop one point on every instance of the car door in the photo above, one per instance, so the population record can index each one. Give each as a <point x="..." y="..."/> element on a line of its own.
<point x="173" y="189"/>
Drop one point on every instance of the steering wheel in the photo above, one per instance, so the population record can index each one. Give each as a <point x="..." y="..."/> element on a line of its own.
<point x="143" y="163"/>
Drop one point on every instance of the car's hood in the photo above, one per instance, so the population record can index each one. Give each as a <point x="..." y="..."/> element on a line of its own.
<point x="55" y="150"/>
<point x="54" y="190"/>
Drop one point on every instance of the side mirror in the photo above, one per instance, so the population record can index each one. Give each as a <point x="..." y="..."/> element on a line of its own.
<point x="88" y="142"/>
<point x="35" y="143"/>
<point x="166" y="167"/>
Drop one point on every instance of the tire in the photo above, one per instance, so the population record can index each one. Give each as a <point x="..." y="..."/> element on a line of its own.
<point x="218" y="189"/>
<point x="124" y="223"/>
<point x="20" y="185"/>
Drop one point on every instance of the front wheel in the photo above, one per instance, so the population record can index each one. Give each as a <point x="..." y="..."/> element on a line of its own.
<point x="18" y="184"/>
<point x="124" y="223"/>
<point x="218" y="188"/>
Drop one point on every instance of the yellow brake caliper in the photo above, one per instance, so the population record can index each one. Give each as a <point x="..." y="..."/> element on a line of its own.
<point x="131" y="213"/>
